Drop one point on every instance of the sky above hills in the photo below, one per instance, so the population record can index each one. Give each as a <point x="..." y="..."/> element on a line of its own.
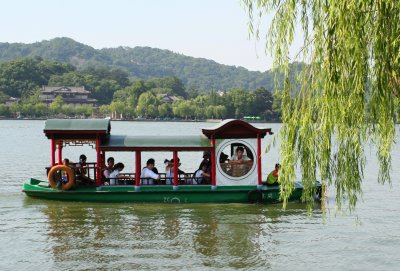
<point x="212" y="29"/>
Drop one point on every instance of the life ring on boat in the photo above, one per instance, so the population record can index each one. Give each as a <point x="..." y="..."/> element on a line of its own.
<point x="255" y="196"/>
<point x="70" y="173"/>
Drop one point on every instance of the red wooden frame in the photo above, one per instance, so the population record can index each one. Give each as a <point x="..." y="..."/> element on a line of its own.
<point x="138" y="161"/>
<point x="259" y="160"/>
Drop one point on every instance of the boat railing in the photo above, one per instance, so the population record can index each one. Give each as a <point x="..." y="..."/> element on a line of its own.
<point x="129" y="179"/>
<point x="90" y="170"/>
<point x="123" y="179"/>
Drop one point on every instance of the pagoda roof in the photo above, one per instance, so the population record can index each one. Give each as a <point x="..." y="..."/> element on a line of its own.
<point x="233" y="128"/>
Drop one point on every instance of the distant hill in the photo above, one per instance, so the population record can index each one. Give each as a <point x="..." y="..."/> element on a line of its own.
<point x="144" y="63"/>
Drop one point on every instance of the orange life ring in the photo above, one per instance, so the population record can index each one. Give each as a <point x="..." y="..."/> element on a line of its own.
<point x="70" y="174"/>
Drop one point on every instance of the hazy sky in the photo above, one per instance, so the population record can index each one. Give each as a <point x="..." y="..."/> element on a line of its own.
<point x="212" y="29"/>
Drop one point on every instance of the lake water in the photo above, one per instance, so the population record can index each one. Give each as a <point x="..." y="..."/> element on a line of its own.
<point x="49" y="235"/>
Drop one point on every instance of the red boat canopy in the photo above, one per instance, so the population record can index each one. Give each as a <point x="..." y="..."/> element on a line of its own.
<point x="232" y="128"/>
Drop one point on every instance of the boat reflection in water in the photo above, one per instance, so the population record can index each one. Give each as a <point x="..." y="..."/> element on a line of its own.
<point x="122" y="237"/>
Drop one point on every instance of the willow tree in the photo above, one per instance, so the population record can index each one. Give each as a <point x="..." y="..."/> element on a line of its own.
<point x="348" y="93"/>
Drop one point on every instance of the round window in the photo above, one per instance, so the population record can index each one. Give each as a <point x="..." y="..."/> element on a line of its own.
<point x="236" y="159"/>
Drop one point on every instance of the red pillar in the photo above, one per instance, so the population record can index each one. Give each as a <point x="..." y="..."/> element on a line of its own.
<point x="175" y="168"/>
<point x="259" y="159"/>
<point x="137" y="168"/>
<point x="103" y="162"/>
<point x="99" y="162"/>
<point x="213" y="164"/>
<point x="53" y="151"/>
<point x="60" y="153"/>
<point x="103" y="158"/>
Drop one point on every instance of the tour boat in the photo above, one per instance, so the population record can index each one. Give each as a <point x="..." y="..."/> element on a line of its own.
<point x="227" y="182"/>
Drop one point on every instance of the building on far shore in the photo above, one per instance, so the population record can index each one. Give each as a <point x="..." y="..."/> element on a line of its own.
<point x="11" y="100"/>
<point x="167" y="98"/>
<point x="75" y="96"/>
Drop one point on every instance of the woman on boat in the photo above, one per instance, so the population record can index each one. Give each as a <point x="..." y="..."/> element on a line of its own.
<point x="169" y="171"/>
<point x="201" y="174"/>
<point x="115" y="174"/>
<point x="207" y="162"/>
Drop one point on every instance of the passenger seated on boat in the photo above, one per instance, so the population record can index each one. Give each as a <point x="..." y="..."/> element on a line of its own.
<point x="223" y="158"/>
<point x="148" y="176"/>
<point x="207" y="161"/>
<point x="200" y="174"/>
<point x="64" y="175"/>
<point x="108" y="169"/>
<point x="155" y="170"/>
<point x="239" y="157"/>
<point x="272" y="179"/>
<point x="115" y="174"/>
<point x="169" y="171"/>
<point x="81" y="171"/>
<point x="206" y="156"/>
<point x="81" y="167"/>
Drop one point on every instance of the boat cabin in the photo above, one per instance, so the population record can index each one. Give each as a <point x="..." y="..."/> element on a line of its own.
<point x="227" y="138"/>
<point x="233" y="148"/>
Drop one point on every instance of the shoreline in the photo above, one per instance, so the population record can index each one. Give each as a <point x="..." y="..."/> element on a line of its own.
<point x="150" y="120"/>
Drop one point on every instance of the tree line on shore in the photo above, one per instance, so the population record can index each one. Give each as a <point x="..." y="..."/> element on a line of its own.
<point x="121" y="97"/>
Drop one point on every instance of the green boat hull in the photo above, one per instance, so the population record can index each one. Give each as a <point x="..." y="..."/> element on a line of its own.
<point x="160" y="193"/>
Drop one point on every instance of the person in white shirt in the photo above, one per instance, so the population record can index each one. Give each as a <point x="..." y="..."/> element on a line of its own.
<point x="148" y="176"/>
<point x="109" y="168"/>
<point x="169" y="171"/>
<point x="118" y="167"/>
